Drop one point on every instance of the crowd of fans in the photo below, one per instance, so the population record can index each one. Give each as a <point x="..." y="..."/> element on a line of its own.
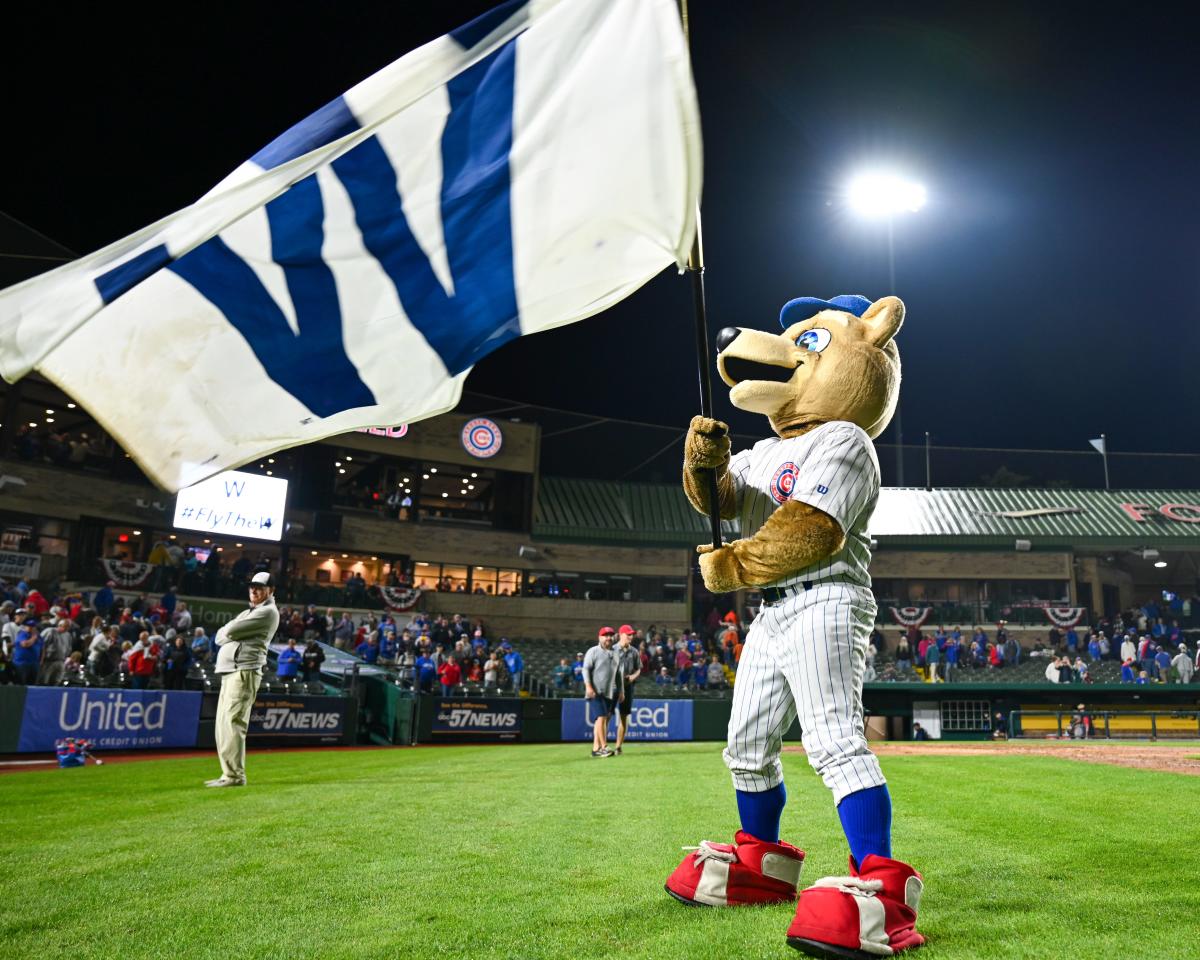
<point x="143" y="641"/>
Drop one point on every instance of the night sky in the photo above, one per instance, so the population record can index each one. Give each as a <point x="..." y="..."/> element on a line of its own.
<point x="1051" y="281"/>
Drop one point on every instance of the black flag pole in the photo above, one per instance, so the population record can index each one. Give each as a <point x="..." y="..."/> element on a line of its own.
<point x="695" y="267"/>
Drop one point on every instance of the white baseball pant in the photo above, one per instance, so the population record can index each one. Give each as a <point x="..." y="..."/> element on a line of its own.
<point x="804" y="658"/>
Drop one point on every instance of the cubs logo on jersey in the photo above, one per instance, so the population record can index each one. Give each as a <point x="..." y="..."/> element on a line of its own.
<point x="784" y="482"/>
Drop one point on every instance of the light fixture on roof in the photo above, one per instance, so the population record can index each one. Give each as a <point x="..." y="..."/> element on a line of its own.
<point x="474" y="475"/>
<point x="70" y="406"/>
<point x="444" y="495"/>
<point x="349" y="458"/>
<point x="337" y="463"/>
<point x="1160" y="564"/>
<point x="341" y="469"/>
<point x="314" y="553"/>
<point x="424" y="476"/>
<point x="49" y="419"/>
<point x="433" y="469"/>
<point x="51" y="412"/>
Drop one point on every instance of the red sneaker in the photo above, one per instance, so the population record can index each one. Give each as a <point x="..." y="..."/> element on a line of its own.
<point x="746" y="872"/>
<point x="871" y="913"/>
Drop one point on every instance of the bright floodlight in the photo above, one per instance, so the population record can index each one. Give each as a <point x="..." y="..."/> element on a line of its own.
<point x="884" y="195"/>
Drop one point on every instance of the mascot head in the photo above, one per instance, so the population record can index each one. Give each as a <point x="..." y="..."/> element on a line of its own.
<point x="835" y="360"/>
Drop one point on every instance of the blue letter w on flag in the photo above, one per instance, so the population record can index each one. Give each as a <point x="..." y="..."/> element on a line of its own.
<point x="312" y="365"/>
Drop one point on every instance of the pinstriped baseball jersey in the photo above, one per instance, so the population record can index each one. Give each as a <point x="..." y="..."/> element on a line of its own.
<point x="832" y="468"/>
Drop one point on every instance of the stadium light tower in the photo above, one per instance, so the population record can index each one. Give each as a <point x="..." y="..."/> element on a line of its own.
<point x="883" y="195"/>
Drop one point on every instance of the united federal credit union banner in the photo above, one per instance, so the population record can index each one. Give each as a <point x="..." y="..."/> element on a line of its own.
<point x="648" y="720"/>
<point x="476" y="718"/>
<point x="110" y="719"/>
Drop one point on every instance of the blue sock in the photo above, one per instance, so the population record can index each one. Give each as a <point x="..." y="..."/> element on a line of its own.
<point x="867" y="822"/>
<point x="760" y="812"/>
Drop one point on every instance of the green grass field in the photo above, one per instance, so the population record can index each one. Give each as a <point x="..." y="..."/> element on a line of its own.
<point x="541" y="852"/>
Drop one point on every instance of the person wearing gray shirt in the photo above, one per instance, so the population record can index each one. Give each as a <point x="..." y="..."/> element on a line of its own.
<point x="241" y="653"/>
<point x="602" y="684"/>
<point x="630" y="658"/>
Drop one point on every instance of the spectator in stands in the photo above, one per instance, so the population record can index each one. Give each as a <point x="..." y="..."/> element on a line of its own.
<point x="201" y="645"/>
<point x="181" y="620"/>
<point x="1012" y="651"/>
<point x="290" y="658"/>
<point x="143" y="661"/>
<point x="1183" y="665"/>
<point x="103" y="600"/>
<point x="683" y="667"/>
<point x="951" y="660"/>
<point x="577" y="668"/>
<point x="563" y="675"/>
<point x="426" y="671"/>
<point x="311" y="661"/>
<point x="1146" y="656"/>
<point x="663" y="677"/>
<point x="450" y="674"/>
<point x="903" y="655"/>
<point x="343" y="633"/>
<point x="368" y="650"/>
<point x="57" y="641"/>
<point x="933" y="658"/>
<point x="492" y="669"/>
<point x="1128" y="673"/>
<point x="1065" y="673"/>
<point x="996" y="655"/>
<point x="716" y="674"/>
<point x="26" y="649"/>
<point x="1093" y="647"/>
<point x="1052" y="670"/>
<point x="1079" y="671"/>
<point x="1128" y="649"/>
<point x="514" y="663"/>
<point x="98" y="650"/>
<point x="1105" y="647"/>
<point x="1162" y="664"/>
<point x="175" y="669"/>
<point x="1142" y="677"/>
<point x="979" y="642"/>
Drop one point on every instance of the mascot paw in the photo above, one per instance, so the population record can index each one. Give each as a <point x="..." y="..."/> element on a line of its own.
<point x="720" y="569"/>
<point x="707" y="444"/>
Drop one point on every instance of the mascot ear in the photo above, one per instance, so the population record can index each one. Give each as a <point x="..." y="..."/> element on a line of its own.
<point x="883" y="320"/>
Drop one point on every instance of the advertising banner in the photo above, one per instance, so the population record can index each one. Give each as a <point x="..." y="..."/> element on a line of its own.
<point x="111" y="719"/>
<point x="478" y="719"/>
<point x="649" y="720"/>
<point x="19" y="566"/>
<point x="282" y="718"/>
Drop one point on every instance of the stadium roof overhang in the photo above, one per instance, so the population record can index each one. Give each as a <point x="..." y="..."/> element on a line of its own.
<point x="1042" y="519"/>
<point x="597" y="511"/>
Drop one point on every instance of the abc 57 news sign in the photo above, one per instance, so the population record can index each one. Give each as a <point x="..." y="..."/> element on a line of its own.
<point x="473" y="719"/>
<point x="288" y="719"/>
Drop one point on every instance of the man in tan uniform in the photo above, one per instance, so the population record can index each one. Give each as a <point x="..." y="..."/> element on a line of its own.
<point x="241" y="654"/>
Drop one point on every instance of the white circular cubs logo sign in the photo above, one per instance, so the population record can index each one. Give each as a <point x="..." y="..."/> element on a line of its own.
<point x="481" y="437"/>
<point x="784" y="482"/>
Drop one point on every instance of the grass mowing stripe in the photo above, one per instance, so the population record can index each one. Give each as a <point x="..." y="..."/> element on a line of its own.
<point x="539" y="851"/>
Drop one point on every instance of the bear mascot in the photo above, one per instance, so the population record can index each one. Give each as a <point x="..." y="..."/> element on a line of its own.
<point x="803" y="498"/>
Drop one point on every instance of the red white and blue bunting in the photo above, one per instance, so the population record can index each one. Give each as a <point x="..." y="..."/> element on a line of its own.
<point x="399" y="598"/>
<point x="1064" y="617"/>
<point x="911" y="616"/>
<point x="126" y="573"/>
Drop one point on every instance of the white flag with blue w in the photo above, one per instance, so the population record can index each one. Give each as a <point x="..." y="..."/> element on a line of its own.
<point x="528" y="170"/>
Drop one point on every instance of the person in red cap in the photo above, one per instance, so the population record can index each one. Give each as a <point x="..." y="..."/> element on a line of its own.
<point x="630" y="660"/>
<point x="602" y="685"/>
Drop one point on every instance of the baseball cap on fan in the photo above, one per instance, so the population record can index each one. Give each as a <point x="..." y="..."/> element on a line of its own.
<point x="625" y="628"/>
<point x="261" y="579"/>
<point x="607" y="631"/>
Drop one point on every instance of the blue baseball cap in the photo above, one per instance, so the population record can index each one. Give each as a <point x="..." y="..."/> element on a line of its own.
<point x="802" y="308"/>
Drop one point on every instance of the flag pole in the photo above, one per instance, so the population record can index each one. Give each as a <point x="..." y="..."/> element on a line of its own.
<point x="695" y="267"/>
<point x="1104" y="443"/>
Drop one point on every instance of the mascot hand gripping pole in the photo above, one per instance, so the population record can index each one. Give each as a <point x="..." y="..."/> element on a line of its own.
<point x="828" y="384"/>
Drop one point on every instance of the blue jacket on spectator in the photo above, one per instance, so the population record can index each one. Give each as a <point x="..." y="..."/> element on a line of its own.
<point x="23" y="656"/>
<point x="1127" y="675"/>
<point x="425" y="668"/>
<point x="289" y="662"/>
<point x="514" y="661"/>
<point x="368" y="651"/>
<point x="952" y="654"/>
